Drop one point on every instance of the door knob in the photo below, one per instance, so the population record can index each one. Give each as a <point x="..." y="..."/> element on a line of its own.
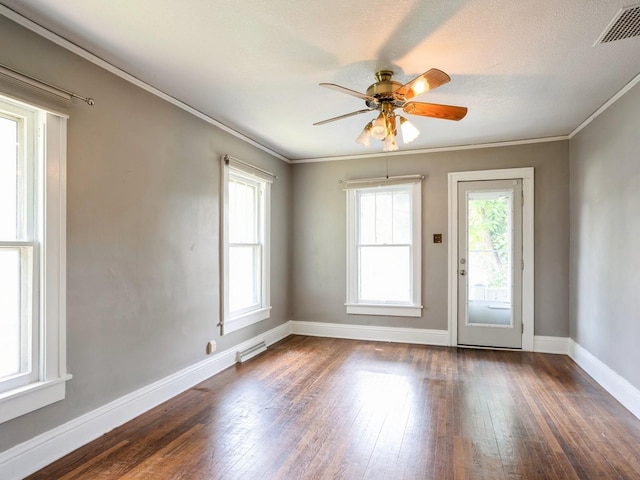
<point x="463" y="272"/>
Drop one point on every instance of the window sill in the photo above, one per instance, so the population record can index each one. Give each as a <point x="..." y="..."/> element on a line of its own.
<point x="386" y="310"/>
<point x="242" y="321"/>
<point x="20" y="401"/>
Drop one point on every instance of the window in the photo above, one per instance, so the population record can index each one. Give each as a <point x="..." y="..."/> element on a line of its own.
<point x="383" y="250"/>
<point x="32" y="258"/>
<point x="245" y="259"/>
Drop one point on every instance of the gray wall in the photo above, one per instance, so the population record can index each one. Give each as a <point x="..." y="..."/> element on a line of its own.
<point x="142" y="233"/>
<point x="605" y="237"/>
<point x="319" y="217"/>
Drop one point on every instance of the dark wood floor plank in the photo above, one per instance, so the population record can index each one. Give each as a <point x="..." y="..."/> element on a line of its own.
<point x="85" y="468"/>
<point x="314" y="408"/>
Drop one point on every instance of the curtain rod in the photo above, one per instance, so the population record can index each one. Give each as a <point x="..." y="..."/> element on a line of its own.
<point x="20" y="77"/>
<point x="228" y="157"/>
<point x="383" y="179"/>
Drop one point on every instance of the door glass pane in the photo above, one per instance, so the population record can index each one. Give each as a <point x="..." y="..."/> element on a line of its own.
<point x="10" y="314"/>
<point x="489" y="257"/>
<point x="8" y="178"/>
<point x="244" y="273"/>
<point x="385" y="274"/>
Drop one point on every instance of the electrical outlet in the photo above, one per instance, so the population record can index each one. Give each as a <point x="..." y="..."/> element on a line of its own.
<point x="211" y="347"/>
<point x="437" y="238"/>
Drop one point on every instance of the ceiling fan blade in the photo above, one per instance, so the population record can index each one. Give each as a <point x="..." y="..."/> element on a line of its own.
<point x="348" y="91"/>
<point x="448" y="112"/>
<point x="344" y="116"/>
<point x="427" y="81"/>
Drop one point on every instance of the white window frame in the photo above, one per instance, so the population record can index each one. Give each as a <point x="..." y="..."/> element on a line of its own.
<point x="231" y="168"/>
<point x="353" y="304"/>
<point x="47" y="243"/>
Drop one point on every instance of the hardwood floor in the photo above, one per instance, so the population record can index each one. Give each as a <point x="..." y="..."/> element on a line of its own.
<point x="314" y="408"/>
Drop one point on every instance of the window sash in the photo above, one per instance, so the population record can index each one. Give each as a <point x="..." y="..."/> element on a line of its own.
<point x="252" y="288"/>
<point x="381" y="219"/>
<point x="22" y="330"/>
<point x="246" y="225"/>
<point x="391" y="288"/>
<point x="26" y="174"/>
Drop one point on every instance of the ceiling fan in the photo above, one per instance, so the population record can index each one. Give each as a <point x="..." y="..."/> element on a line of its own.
<point x="386" y="95"/>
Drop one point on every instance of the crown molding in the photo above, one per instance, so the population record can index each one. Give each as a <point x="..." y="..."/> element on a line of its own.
<point x="433" y="150"/>
<point x="632" y="83"/>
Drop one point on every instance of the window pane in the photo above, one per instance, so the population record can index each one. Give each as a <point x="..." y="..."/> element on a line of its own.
<point x="401" y="217"/>
<point x="385" y="274"/>
<point x="385" y="218"/>
<point x="244" y="274"/>
<point x="8" y="178"/>
<point x="489" y="240"/>
<point x="243" y="211"/>
<point x="367" y="218"/>
<point x="10" y="315"/>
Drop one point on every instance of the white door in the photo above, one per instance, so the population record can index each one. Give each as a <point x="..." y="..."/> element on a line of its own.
<point x="490" y="263"/>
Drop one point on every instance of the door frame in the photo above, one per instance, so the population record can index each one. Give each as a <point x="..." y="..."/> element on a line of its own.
<point x="526" y="174"/>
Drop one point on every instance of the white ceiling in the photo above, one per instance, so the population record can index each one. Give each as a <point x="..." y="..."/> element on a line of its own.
<point x="526" y="69"/>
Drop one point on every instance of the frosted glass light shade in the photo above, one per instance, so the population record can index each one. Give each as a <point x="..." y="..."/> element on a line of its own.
<point x="390" y="144"/>
<point x="409" y="132"/>
<point x="364" y="138"/>
<point x="379" y="130"/>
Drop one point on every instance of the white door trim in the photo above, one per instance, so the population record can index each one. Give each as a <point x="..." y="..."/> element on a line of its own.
<point x="526" y="174"/>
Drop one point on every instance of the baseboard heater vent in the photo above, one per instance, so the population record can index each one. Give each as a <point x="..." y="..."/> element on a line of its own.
<point x="251" y="352"/>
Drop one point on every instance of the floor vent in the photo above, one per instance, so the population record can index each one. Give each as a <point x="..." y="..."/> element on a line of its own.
<point x="625" y="24"/>
<point x="251" y="352"/>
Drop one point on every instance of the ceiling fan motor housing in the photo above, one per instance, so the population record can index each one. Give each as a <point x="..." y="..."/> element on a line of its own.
<point x="383" y="90"/>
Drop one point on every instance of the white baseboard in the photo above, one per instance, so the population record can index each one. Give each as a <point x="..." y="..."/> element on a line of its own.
<point x="366" y="332"/>
<point x="617" y="386"/>
<point x="557" y="345"/>
<point x="272" y="336"/>
<point x="38" y="452"/>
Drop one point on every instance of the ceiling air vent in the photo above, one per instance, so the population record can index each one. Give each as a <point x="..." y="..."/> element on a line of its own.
<point x="625" y="24"/>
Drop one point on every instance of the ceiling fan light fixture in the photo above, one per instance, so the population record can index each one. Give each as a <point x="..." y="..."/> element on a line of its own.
<point x="409" y="131"/>
<point x="419" y="87"/>
<point x="364" y="138"/>
<point x="390" y="144"/>
<point x="387" y="95"/>
<point x="379" y="129"/>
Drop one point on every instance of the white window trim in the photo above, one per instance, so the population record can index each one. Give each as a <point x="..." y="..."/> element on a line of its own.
<point x="52" y="371"/>
<point x="231" y="324"/>
<point x="386" y="309"/>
